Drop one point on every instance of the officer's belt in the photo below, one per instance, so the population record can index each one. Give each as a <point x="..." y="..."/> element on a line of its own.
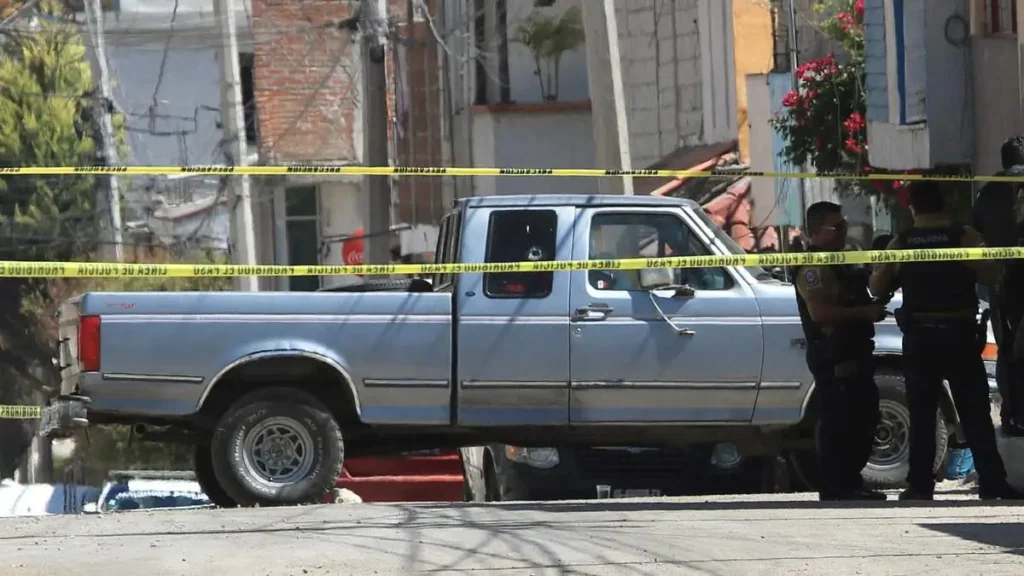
<point x="964" y="315"/>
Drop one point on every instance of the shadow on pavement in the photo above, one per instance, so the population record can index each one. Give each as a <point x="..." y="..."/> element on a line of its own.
<point x="1007" y="536"/>
<point x="719" y="505"/>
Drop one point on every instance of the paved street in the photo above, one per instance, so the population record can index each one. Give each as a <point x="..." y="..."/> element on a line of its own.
<point x="785" y="534"/>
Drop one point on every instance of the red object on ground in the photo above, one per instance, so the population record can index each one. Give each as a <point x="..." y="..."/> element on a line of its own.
<point x="352" y="250"/>
<point x="414" y="478"/>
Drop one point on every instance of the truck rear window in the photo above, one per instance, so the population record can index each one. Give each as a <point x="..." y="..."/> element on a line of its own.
<point x="520" y="236"/>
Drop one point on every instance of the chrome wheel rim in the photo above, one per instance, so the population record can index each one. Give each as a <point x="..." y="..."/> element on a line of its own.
<point x="892" y="435"/>
<point x="278" y="452"/>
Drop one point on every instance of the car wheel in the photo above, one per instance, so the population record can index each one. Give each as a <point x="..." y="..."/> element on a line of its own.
<point x="277" y="446"/>
<point x="890" y="457"/>
<point x="202" y="464"/>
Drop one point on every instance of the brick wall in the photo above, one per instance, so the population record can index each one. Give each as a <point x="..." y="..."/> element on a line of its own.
<point x="420" y="199"/>
<point x="307" y="81"/>
<point x="661" y="67"/>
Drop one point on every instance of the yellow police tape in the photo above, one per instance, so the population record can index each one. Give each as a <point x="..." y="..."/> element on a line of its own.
<point x="12" y="269"/>
<point x="15" y="412"/>
<point x="314" y="169"/>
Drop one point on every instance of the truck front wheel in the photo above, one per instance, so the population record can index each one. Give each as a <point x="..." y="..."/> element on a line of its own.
<point x="277" y="446"/>
<point x="890" y="457"/>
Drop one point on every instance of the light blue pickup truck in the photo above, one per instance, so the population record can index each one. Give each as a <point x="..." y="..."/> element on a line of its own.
<point x="273" y="389"/>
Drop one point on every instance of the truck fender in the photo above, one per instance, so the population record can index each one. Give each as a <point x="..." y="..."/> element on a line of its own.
<point x="289" y="351"/>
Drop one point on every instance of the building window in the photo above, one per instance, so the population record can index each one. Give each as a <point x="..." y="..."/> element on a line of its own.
<point x="1001" y="16"/>
<point x="247" y="63"/>
<point x="490" y="34"/>
<point x="302" y="233"/>
<point x="646" y="235"/>
<point x="520" y="236"/>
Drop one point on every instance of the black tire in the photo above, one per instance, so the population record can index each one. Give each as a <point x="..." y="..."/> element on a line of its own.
<point x="264" y="415"/>
<point x="887" y="468"/>
<point x="502" y="484"/>
<point x="202" y="464"/>
<point x="889" y="464"/>
<point x="389" y="285"/>
<point x="474" y="482"/>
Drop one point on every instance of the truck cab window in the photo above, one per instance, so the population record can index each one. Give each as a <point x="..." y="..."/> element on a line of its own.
<point x="447" y="251"/>
<point x="648" y="235"/>
<point x="520" y="236"/>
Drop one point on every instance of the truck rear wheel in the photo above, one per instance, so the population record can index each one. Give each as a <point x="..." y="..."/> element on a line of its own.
<point x="202" y="464"/>
<point x="277" y="446"/>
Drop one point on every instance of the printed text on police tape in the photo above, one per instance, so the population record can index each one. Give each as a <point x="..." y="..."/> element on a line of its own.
<point x="314" y="170"/>
<point x="15" y="412"/>
<point x="12" y="269"/>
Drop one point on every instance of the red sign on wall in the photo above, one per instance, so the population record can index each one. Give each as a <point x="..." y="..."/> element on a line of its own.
<point x="352" y="250"/>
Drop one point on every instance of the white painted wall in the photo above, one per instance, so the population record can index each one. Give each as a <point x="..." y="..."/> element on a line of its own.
<point x="762" y="136"/>
<point x="541" y="139"/>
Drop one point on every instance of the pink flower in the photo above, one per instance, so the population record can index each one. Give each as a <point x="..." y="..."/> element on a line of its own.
<point x="792" y="99"/>
<point x="858" y="10"/>
<point x="854" y="124"/>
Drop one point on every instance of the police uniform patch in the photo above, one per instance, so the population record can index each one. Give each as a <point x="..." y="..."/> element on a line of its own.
<point x="811" y="278"/>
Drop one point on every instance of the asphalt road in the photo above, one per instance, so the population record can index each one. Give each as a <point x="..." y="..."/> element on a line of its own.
<point x="784" y="534"/>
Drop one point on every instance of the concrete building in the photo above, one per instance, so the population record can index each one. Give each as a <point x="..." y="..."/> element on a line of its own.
<point x="677" y="73"/>
<point x="307" y="93"/>
<point x="162" y="59"/>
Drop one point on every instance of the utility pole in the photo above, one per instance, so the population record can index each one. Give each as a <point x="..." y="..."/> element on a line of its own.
<point x="243" y="249"/>
<point x="94" y="14"/>
<point x="373" y="26"/>
<point x="794" y="62"/>
<point x="604" y="67"/>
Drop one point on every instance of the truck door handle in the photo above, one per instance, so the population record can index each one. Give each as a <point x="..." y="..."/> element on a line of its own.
<point x="597" y="311"/>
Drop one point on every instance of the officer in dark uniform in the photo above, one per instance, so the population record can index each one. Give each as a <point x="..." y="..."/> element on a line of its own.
<point x="838" y="319"/>
<point x="942" y="339"/>
<point x="993" y="217"/>
<point x="1011" y="349"/>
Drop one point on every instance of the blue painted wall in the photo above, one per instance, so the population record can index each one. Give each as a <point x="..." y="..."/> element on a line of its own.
<point x="876" y="84"/>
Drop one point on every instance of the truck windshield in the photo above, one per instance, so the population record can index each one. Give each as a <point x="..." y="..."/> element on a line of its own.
<point x="726" y="243"/>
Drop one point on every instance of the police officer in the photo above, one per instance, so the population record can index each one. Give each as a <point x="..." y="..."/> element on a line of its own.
<point x="942" y="339"/>
<point x="838" y="318"/>
<point x="993" y="218"/>
<point x="1011" y="348"/>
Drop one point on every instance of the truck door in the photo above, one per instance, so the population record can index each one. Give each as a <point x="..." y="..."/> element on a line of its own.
<point x="512" y="336"/>
<point x="627" y="363"/>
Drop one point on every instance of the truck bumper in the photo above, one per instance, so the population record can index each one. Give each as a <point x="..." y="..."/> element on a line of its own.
<point x="64" y="416"/>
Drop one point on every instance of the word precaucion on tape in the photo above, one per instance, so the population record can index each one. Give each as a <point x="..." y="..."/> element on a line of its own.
<point x="13" y="269"/>
<point x="313" y="170"/>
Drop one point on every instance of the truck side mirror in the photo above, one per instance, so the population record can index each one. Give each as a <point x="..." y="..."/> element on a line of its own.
<point x="655" y="278"/>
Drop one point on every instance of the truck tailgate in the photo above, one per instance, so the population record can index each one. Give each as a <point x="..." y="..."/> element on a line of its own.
<point x="67" y="340"/>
